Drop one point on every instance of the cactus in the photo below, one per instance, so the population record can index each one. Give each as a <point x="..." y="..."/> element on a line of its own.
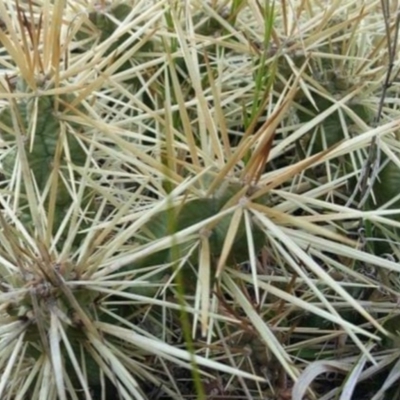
<point x="86" y="308"/>
<point x="197" y="210"/>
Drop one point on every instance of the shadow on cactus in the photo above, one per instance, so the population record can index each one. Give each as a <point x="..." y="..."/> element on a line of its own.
<point x="204" y="217"/>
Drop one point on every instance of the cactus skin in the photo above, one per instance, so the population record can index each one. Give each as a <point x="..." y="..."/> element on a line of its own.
<point x="332" y="126"/>
<point x="41" y="151"/>
<point x="386" y="188"/>
<point x="47" y="134"/>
